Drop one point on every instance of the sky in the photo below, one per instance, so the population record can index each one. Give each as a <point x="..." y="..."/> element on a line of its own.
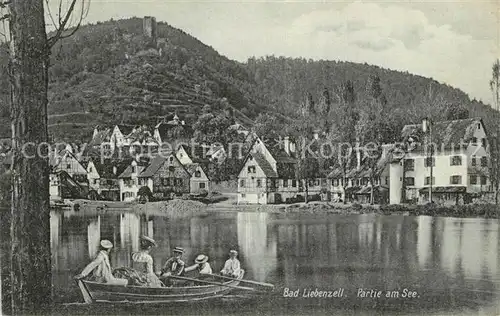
<point x="455" y="42"/>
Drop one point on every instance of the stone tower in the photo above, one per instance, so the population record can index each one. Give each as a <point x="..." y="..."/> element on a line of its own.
<point x="149" y="27"/>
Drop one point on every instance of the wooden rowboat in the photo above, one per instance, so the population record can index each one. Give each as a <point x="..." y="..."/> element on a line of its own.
<point x="94" y="292"/>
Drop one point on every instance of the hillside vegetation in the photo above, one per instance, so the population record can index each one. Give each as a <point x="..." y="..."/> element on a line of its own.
<point x="110" y="73"/>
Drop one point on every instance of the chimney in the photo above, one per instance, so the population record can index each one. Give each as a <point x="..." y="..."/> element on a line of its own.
<point x="286" y="143"/>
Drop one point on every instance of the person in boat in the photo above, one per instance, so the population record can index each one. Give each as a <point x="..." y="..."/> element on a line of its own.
<point x="232" y="266"/>
<point x="141" y="273"/>
<point x="174" y="265"/>
<point x="201" y="266"/>
<point x="99" y="270"/>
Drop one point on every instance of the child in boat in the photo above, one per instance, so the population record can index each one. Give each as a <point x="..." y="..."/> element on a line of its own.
<point x="142" y="273"/>
<point x="232" y="266"/>
<point x="99" y="269"/>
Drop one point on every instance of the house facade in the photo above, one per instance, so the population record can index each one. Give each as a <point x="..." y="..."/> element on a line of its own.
<point x="166" y="176"/>
<point x="103" y="178"/>
<point x="459" y="162"/>
<point x="360" y="180"/>
<point x="268" y="174"/>
<point x="66" y="161"/>
<point x="199" y="181"/>
<point x="63" y="186"/>
<point x="128" y="181"/>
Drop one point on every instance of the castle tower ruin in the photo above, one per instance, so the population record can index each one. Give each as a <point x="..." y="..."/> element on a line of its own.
<point x="149" y="28"/>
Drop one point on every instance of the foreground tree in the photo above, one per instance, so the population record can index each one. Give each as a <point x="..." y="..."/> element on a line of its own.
<point x="495" y="137"/>
<point x="30" y="260"/>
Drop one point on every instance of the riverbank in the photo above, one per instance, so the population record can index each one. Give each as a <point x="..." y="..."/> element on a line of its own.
<point x="184" y="207"/>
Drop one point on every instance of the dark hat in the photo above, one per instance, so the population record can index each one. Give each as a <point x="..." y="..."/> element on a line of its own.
<point x="201" y="259"/>
<point x="178" y="249"/>
<point x="148" y="240"/>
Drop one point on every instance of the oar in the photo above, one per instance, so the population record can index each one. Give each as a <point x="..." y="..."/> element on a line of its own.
<point x="213" y="283"/>
<point x="244" y="281"/>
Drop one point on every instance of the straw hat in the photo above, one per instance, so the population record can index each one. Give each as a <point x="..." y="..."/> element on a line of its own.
<point x="233" y="252"/>
<point x="201" y="259"/>
<point x="106" y="244"/>
<point x="178" y="250"/>
<point x="148" y="240"/>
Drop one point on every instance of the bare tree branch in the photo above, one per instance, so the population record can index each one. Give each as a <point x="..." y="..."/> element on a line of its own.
<point x="65" y="21"/>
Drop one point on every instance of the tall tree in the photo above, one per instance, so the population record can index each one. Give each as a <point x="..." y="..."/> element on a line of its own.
<point x="30" y="258"/>
<point x="342" y="133"/>
<point x="495" y="138"/>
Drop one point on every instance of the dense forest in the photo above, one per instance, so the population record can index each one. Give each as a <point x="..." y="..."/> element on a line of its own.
<point x="110" y="73"/>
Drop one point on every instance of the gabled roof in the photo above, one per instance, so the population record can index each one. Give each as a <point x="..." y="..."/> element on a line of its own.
<point x="197" y="153"/>
<point x="446" y="133"/>
<point x="105" y="168"/>
<point x="276" y="148"/>
<point x="126" y="129"/>
<point x="156" y="163"/>
<point x="100" y="137"/>
<point x="264" y="165"/>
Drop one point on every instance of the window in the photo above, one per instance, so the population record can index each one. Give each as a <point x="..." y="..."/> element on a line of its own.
<point x="179" y="182"/>
<point x="478" y="125"/>
<point x="259" y="183"/>
<point x="335" y="182"/>
<point x="294" y="183"/>
<point x="483" y="142"/>
<point x="409" y="164"/>
<point x="171" y="159"/>
<point x="165" y="181"/>
<point x="410" y="181"/>
<point x="473" y="179"/>
<point x="484" y="162"/>
<point x="427" y="180"/>
<point x="242" y="183"/>
<point x="171" y="168"/>
<point x="474" y="140"/>
<point x="430" y="162"/>
<point x="68" y="166"/>
<point x="316" y="182"/>
<point x="109" y="182"/>
<point x="90" y="169"/>
<point x="456" y="180"/>
<point x="95" y="181"/>
<point x="484" y="180"/>
<point x="285" y="183"/>
<point x="387" y="180"/>
<point x="197" y="174"/>
<point x="473" y="161"/>
<point x="133" y="169"/>
<point x="202" y="185"/>
<point x="251" y="169"/>
<point x="456" y="160"/>
<point x="243" y="195"/>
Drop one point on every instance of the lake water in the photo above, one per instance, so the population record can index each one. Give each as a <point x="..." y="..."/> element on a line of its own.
<point x="453" y="264"/>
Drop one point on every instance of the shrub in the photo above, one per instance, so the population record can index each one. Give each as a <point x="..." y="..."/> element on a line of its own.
<point x="357" y="206"/>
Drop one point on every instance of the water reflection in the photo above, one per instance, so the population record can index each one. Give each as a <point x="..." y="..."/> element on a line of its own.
<point x="452" y="262"/>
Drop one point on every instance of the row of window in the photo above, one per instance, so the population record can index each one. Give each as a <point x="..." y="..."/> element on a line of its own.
<point x="359" y="182"/>
<point x="454" y="161"/>
<point x="456" y="179"/>
<point x="172" y="181"/>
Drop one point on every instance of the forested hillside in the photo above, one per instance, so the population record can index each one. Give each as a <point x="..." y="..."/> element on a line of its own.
<point x="110" y="73"/>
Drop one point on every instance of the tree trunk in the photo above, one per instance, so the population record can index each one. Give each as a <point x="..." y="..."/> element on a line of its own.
<point x="30" y="213"/>
<point x="306" y="187"/>
<point x="372" y="199"/>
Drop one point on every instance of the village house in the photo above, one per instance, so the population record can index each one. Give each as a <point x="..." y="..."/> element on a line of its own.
<point x="128" y="180"/>
<point x="170" y="130"/>
<point x="103" y="178"/>
<point x="63" y="186"/>
<point x="166" y="176"/>
<point x="65" y="160"/>
<point x="268" y="173"/>
<point x="358" y="179"/>
<point x="459" y="163"/>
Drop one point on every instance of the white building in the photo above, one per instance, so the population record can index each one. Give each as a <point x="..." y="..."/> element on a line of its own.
<point x="460" y="161"/>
